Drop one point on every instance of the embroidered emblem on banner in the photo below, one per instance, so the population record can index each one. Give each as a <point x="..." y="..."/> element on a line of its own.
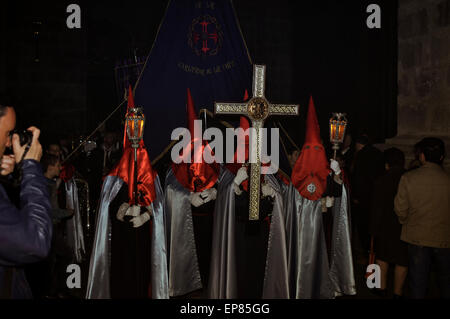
<point x="205" y="36"/>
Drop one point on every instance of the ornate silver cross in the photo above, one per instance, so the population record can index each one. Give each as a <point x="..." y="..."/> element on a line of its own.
<point x="257" y="109"/>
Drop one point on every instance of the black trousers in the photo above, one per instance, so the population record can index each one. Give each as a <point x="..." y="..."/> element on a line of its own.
<point x="360" y="220"/>
<point x="420" y="261"/>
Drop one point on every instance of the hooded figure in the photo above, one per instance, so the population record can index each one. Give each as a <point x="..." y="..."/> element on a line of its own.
<point x="312" y="274"/>
<point x="190" y="192"/>
<point x="248" y="257"/>
<point x="128" y="257"/>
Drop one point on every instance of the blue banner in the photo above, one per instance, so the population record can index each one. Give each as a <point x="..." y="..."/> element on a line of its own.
<point x="199" y="46"/>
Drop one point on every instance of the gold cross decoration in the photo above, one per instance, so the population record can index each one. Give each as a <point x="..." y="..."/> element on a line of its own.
<point x="257" y="109"/>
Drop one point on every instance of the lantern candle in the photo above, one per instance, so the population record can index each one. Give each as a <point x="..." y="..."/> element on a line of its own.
<point x="338" y="124"/>
<point x="135" y="121"/>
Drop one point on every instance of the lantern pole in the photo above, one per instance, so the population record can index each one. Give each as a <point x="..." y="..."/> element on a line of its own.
<point x="135" y="136"/>
<point x="135" y="176"/>
<point x="335" y="148"/>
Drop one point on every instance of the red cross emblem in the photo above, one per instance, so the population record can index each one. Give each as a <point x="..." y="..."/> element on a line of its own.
<point x="205" y="36"/>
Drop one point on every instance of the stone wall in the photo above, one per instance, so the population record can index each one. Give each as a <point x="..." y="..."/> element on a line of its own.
<point x="423" y="73"/>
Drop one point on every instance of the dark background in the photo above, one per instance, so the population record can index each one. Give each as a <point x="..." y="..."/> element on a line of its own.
<point x="323" y="48"/>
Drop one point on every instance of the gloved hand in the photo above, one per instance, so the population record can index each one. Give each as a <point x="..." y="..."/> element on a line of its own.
<point x="196" y="199"/>
<point x="334" y="165"/>
<point x="140" y="220"/>
<point x="122" y="210"/>
<point x="209" y="194"/>
<point x="236" y="189"/>
<point x="133" y="211"/>
<point x="329" y="201"/>
<point x="323" y="204"/>
<point x="267" y="190"/>
<point x="241" y="176"/>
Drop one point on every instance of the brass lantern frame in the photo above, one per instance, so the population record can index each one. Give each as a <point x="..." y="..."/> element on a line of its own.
<point x="338" y="125"/>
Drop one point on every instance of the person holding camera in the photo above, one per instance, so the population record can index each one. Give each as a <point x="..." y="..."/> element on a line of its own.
<point x="25" y="233"/>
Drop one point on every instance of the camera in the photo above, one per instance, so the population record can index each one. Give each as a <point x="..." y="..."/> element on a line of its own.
<point x="25" y="137"/>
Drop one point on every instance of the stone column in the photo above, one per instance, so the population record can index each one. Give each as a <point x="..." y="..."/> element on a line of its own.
<point x="423" y="74"/>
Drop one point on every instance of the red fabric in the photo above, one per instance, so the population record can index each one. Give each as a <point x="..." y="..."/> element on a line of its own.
<point x="245" y="95"/>
<point x="235" y="166"/>
<point x="67" y="172"/>
<point x="311" y="167"/>
<point x="190" y="111"/>
<point x="146" y="176"/>
<point x="284" y="179"/>
<point x="126" y="166"/>
<point x="195" y="177"/>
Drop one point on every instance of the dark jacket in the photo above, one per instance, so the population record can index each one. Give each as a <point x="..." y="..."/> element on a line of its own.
<point x="25" y="234"/>
<point x="383" y="220"/>
<point x="368" y="166"/>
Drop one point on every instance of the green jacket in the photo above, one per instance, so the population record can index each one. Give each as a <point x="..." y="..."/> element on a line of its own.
<point x="422" y="205"/>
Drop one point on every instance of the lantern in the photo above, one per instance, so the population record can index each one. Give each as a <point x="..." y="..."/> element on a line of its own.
<point x="338" y="124"/>
<point x="135" y="120"/>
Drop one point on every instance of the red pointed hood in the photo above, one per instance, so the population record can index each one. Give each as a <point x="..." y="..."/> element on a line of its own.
<point x="195" y="177"/>
<point x="311" y="169"/>
<point x="190" y="111"/>
<point x="312" y="135"/>
<point x="125" y="168"/>
<point x="130" y="100"/>
<point x="241" y="139"/>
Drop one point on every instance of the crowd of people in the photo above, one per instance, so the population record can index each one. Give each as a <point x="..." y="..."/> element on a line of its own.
<point x="401" y="212"/>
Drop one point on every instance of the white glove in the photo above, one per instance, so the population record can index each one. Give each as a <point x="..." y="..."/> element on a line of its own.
<point x="133" y="211"/>
<point x="140" y="220"/>
<point x="267" y="190"/>
<point x="236" y="189"/>
<point x="323" y="204"/>
<point x="122" y="210"/>
<point x="241" y="176"/>
<point x="334" y="165"/>
<point x="329" y="201"/>
<point x="209" y="194"/>
<point x="196" y="199"/>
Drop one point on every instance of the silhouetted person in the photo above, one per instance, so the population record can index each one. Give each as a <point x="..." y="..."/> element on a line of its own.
<point x="384" y="225"/>
<point x="368" y="165"/>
